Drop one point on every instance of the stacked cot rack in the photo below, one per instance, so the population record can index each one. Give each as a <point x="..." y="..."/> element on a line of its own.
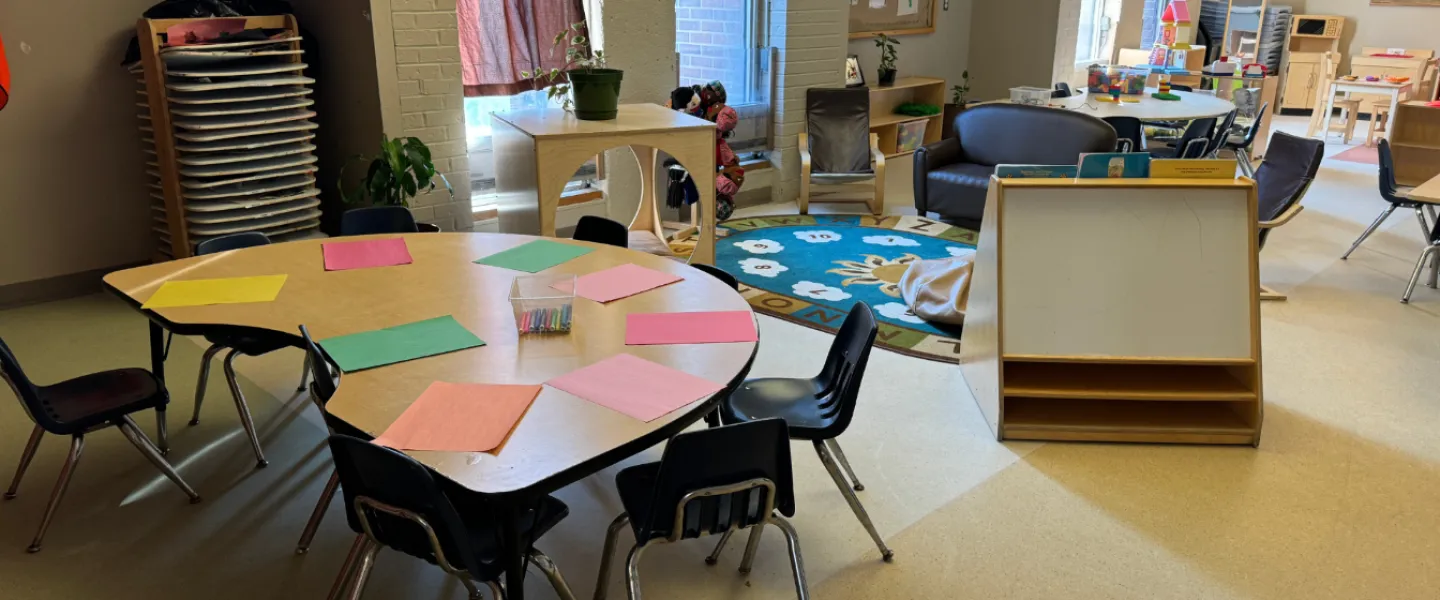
<point x="228" y="134"/>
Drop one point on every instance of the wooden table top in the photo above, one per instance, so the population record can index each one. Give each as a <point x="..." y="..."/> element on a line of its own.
<point x="1427" y="192"/>
<point x="631" y="119"/>
<point x="562" y="438"/>
<point x="1361" y="83"/>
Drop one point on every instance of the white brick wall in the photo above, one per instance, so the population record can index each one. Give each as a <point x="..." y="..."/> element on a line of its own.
<point x="811" y="38"/>
<point x="427" y="69"/>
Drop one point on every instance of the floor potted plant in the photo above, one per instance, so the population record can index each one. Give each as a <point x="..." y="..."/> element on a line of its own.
<point x="587" y="87"/>
<point x="888" y="55"/>
<point x="398" y="173"/>
<point x="955" y="106"/>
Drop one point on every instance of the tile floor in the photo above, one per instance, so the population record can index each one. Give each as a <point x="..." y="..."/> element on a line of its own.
<point x="1339" y="500"/>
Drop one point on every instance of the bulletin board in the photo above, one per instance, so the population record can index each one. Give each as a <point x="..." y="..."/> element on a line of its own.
<point x="891" y="17"/>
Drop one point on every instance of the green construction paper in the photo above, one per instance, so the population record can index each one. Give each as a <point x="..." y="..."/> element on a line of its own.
<point x="535" y="256"/>
<point x="370" y="349"/>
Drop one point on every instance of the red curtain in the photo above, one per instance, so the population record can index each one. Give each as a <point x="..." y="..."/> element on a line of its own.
<point x="501" y="38"/>
<point x="4" y="77"/>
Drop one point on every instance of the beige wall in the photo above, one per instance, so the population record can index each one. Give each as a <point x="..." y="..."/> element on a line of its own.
<point x="72" y="180"/>
<point x="1381" y="26"/>
<point x="944" y="54"/>
<point x="1014" y="45"/>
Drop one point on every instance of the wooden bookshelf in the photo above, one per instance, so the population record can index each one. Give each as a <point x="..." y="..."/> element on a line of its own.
<point x="885" y="123"/>
<point x="1085" y="324"/>
<point x="1415" y="143"/>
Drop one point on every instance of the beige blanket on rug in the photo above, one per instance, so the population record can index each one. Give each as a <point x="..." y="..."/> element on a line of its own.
<point x="937" y="290"/>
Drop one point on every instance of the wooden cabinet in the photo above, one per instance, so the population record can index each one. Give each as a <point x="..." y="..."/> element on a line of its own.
<point x="1311" y="36"/>
<point x="1301" y="79"/>
<point x="1415" y="143"/>
<point x="1367" y="63"/>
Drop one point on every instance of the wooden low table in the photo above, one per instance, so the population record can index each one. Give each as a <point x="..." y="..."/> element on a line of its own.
<point x="537" y="151"/>
<point x="1321" y="120"/>
<point x="562" y="438"/>
<point x="1430" y="192"/>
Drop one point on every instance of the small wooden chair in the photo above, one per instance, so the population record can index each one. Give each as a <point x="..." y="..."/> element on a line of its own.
<point x="1379" y="122"/>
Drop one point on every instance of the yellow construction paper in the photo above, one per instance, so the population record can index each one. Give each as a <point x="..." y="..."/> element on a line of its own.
<point x="232" y="290"/>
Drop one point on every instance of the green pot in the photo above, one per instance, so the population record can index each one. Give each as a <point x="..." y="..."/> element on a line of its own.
<point x="596" y="93"/>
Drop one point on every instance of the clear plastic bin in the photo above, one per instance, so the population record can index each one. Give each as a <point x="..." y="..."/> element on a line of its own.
<point x="1030" y="95"/>
<point x="541" y="308"/>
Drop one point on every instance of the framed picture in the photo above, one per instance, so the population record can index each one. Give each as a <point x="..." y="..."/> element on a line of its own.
<point x="854" y="77"/>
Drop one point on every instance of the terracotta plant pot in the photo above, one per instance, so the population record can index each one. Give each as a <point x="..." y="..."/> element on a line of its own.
<point x="596" y="93"/>
<point x="887" y="77"/>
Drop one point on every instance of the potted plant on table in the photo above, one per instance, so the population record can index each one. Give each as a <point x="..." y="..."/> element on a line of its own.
<point x="955" y="106"/>
<point x="398" y="173"/>
<point x="888" y="54"/>
<point x="588" y="87"/>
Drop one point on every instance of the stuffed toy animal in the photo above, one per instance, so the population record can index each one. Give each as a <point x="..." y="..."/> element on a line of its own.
<point x="708" y="102"/>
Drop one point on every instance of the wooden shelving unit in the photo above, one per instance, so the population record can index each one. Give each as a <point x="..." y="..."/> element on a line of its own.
<point x="1085" y="324"/>
<point x="1311" y="36"/>
<point x="1415" y="143"/>
<point x="886" y="124"/>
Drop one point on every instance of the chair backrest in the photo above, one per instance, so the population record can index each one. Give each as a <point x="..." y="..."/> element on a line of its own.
<point x="1221" y="133"/>
<point x="1129" y="132"/>
<point x="601" y="230"/>
<point x="727" y="461"/>
<point x="377" y="219"/>
<point x="1254" y="129"/>
<point x="845" y="367"/>
<point x="322" y="375"/>
<point x="1291" y="163"/>
<point x="1190" y="143"/>
<point x="720" y="274"/>
<point x="1018" y="134"/>
<point x="837" y="121"/>
<point x="25" y="390"/>
<point x="234" y="241"/>
<point x="1389" y="188"/>
<point x="379" y="474"/>
<point x="427" y="228"/>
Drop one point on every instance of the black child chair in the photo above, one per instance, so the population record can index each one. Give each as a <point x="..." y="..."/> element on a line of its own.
<point x="323" y="383"/>
<point x="711" y="481"/>
<point x="819" y="409"/>
<point x="377" y="219"/>
<point x="85" y="404"/>
<point x="394" y="502"/>
<point x="720" y="274"/>
<point x="601" y="230"/>
<point x="1397" y="198"/>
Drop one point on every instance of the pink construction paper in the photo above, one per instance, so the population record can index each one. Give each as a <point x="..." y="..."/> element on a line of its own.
<point x="459" y="417"/>
<point x="343" y="256"/>
<point x="635" y="386"/>
<point x="643" y="329"/>
<point x="618" y="282"/>
<point x="202" y="31"/>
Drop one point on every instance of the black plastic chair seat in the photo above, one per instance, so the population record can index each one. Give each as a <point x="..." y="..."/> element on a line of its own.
<point x="484" y="533"/>
<point x="79" y="404"/>
<point x="249" y="343"/>
<point x="796" y="401"/>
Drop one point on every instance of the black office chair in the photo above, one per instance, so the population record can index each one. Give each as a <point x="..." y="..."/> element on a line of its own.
<point x="76" y="407"/>
<point x="720" y="274"/>
<point x="1130" y="132"/>
<point x="713" y="481"/>
<point x="377" y="219"/>
<point x="393" y="501"/>
<point x="1181" y="88"/>
<point x="323" y="382"/>
<point x="601" y="230"/>
<point x="1062" y="90"/>
<point x="1397" y="198"/>
<point x="1221" y="134"/>
<point x="1241" y="145"/>
<point x="239" y="340"/>
<point x="1192" y="143"/>
<point x="819" y="409"/>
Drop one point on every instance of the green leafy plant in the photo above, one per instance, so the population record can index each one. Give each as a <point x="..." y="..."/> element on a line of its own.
<point x="958" y="92"/>
<point x="917" y="109"/>
<point x="398" y="173"/>
<point x="578" y="56"/>
<point x="888" y="54"/>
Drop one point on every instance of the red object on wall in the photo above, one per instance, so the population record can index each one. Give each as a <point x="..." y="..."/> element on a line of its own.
<point x="4" y="77"/>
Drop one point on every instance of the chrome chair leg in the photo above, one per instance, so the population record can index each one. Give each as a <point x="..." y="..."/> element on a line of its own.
<point x="602" y="583"/>
<point x="1424" y="224"/>
<point x="1369" y="230"/>
<point x="552" y="573"/>
<point x="143" y="444"/>
<point x="342" y="580"/>
<point x="318" y="514"/>
<point x="792" y="542"/>
<point x="751" y="546"/>
<point x="77" y="444"/>
<point x="471" y="592"/>
<point x="632" y="572"/>
<point x="845" y="464"/>
<point x="715" y="554"/>
<point x="244" y="409"/>
<point x="1246" y="167"/>
<point x="362" y="572"/>
<point x="30" y="447"/>
<point x="162" y="432"/>
<point x="855" y="506"/>
<point x="1415" y="276"/>
<point x="305" y="374"/>
<point x="204" y="378"/>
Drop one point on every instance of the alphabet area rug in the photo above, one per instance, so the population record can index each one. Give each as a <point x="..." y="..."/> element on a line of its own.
<point x="810" y="269"/>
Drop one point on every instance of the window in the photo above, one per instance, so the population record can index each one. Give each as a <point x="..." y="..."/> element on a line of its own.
<point x="1095" y="37"/>
<point x="723" y="40"/>
<point x="1150" y="22"/>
